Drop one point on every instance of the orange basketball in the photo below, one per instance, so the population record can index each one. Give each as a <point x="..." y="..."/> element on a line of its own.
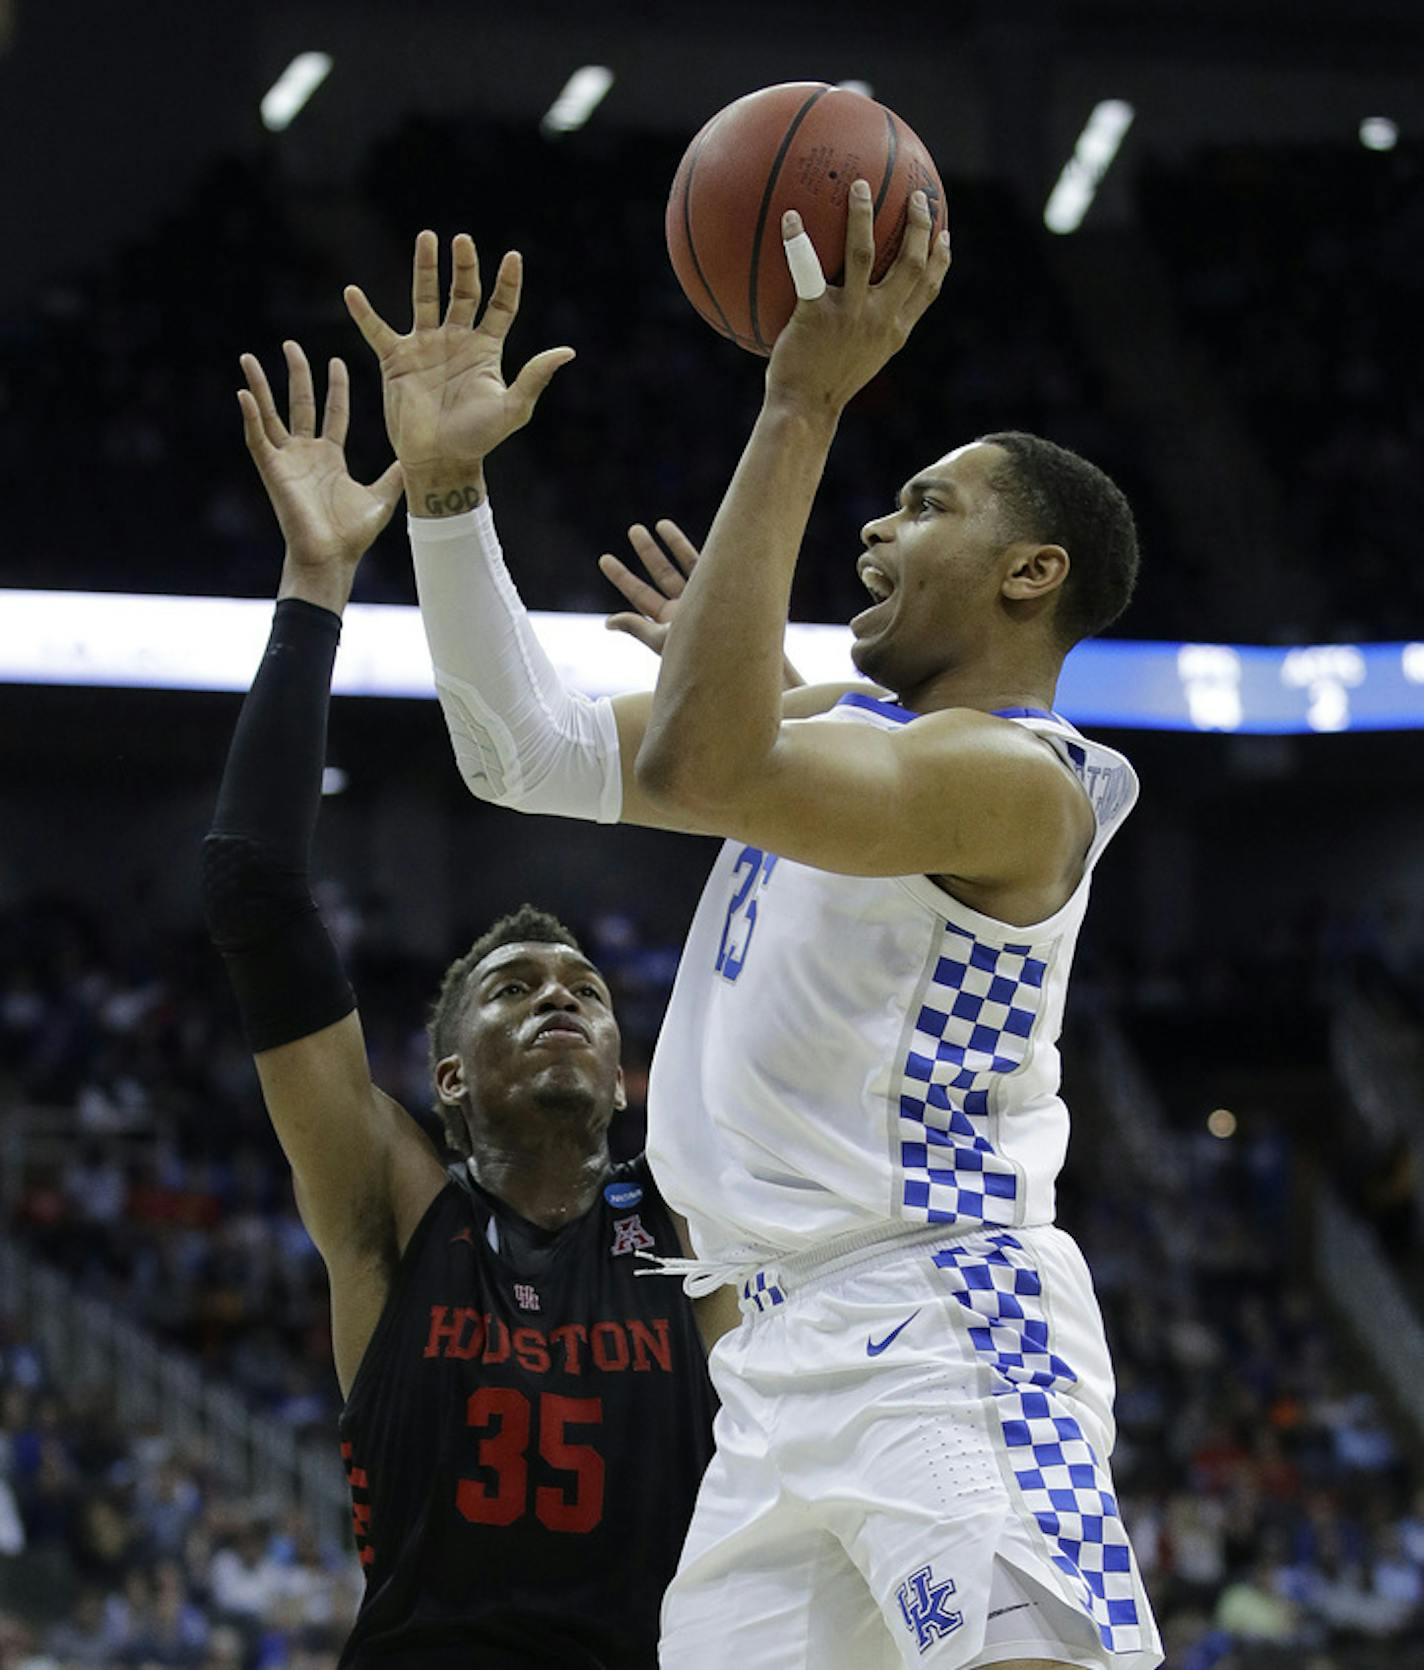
<point x="795" y="146"/>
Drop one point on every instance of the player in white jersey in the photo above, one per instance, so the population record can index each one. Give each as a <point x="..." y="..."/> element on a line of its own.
<point x="855" y="1097"/>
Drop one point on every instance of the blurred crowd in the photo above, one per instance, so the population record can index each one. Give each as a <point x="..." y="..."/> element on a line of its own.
<point x="647" y="422"/>
<point x="1296" y="271"/>
<point x="1270" y="1496"/>
<point x="118" y="1547"/>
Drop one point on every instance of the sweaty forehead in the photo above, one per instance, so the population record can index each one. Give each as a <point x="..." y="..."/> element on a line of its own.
<point x="969" y="467"/>
<point x="539" y="953"/>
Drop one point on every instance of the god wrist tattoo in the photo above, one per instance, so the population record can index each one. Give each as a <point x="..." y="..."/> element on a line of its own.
<point x="453" y="502"/>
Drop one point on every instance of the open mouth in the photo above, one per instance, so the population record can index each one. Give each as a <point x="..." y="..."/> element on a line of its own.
<point x="880" y="583"/>
<point x="875" y="579"/>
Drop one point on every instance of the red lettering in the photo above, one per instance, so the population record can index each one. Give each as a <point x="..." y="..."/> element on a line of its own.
<point x="446" y="1330"/>
<point x="552" y="1505"/>
<point x="610" y="1346"/>
<point x="652" y="1340"/>
<point x="572" y="1337"/>
<point x="495" y="1353"/>
<point x="500" y="1452"/>
<point x="470" y="1347"/>
<point x="441" y="1330"/>
<point x="532" y="1350"/>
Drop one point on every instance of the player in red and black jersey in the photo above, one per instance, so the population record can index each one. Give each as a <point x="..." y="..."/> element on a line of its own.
<point x="526" y="1423"/>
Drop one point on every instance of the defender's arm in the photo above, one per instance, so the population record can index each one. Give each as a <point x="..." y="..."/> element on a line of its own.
<point x="363" y="1170"/>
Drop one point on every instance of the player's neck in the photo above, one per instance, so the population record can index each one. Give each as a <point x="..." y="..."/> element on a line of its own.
<point x="987" y="687"/>
<point x="548" y="1178"/>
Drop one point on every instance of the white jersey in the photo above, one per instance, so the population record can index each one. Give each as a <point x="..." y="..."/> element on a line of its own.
<point x="842" y="1052"/>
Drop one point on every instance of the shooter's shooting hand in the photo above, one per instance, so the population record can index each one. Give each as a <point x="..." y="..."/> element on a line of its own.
<point x="835" y="343"/>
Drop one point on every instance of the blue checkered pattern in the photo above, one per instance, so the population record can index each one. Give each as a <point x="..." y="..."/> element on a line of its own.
<point x="760" y="1293"/>
<point x="1063" y="1485"/>
<point x="976" y="1020"/>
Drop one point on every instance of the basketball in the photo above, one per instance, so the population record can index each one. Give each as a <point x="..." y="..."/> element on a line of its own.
<point x="794" y="146"/>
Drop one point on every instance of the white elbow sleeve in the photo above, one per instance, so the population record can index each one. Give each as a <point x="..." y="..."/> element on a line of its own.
<point x="521" y="738"/>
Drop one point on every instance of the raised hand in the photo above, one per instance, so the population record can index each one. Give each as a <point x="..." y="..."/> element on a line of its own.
<point x="447" y="403"/>
<point x="328" y="520"/>
<point x="836" y="341"/>
<point x="653" y="604"/>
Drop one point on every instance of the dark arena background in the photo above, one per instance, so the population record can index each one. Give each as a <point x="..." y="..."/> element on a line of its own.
<point x="1219" y="302"/>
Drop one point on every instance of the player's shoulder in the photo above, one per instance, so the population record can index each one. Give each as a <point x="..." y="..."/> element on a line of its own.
<point x="970" y="735"/>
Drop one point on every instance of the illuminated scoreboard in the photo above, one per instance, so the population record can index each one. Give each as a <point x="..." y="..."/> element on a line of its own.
<point x="1245" y="687"/>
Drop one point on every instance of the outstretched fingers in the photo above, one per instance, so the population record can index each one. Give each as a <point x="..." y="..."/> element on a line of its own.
<point x="338" y="403"/>
<point x="464" y="282"/>
<point x="503" y="307"/>
<point x="425" y="282"/>
<point x="274" y="431"/>
<point x="252" y="431"/>
<point x="537" y="375"/>
<point x="672" y="580"/>
<point x="646" y="599"/>
<point x="301" y="396"/>
<point x="679" y="544"/>
<point x="380" y="338"/>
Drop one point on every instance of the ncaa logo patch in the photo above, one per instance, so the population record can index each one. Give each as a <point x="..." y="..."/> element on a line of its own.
<point x="923" y="1607"/>
<point x="620" y="1196"/>
<point x="629" y="1236"/>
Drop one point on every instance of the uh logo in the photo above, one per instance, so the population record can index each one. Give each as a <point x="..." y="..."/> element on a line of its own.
<point x="923" y="1605"/>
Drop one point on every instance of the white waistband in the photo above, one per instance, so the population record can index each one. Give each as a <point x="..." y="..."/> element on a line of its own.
<point x="794" y="1272"/>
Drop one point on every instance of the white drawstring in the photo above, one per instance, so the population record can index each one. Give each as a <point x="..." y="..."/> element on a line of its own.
<point x="702" y="1276"/>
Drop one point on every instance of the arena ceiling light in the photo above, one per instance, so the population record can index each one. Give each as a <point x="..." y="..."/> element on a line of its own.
<point x="583" y="93"/>
<point x="284" y="99"/>
<point x="1379" y="133"/>
<point x="1097" y="145"/>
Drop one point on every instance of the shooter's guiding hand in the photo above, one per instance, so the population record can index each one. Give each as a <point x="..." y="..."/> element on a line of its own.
<point x="838" y="339"/>
<point x="447" y="403"/>
<point x="654" y="604"/>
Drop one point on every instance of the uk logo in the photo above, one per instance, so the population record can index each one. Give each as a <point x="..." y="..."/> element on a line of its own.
<point x="923" y="1607"/>
<point x="525" y="1296"/>
<point x="629" y="1236"/>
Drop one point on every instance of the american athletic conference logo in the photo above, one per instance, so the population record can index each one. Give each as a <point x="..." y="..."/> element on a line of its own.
<point x="922" y="1605"/>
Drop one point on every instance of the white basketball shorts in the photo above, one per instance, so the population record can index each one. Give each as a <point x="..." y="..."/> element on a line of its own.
<point x="911" y="1469"/>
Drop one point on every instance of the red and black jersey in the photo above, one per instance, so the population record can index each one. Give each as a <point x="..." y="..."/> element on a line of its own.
<point x="525" y="1438"/>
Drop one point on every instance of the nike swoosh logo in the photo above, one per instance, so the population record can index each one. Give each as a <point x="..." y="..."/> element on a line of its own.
<point x="873" y="1348"/>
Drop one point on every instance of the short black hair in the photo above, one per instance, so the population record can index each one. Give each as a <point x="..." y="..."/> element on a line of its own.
<point x="529" y="925"/>
<point x="1057" y="497"/>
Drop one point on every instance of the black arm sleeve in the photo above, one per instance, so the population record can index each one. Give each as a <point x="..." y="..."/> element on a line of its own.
<point x="256" y="893"/>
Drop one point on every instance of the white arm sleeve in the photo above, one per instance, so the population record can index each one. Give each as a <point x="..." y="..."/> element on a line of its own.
<point x="521" y="738"/>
